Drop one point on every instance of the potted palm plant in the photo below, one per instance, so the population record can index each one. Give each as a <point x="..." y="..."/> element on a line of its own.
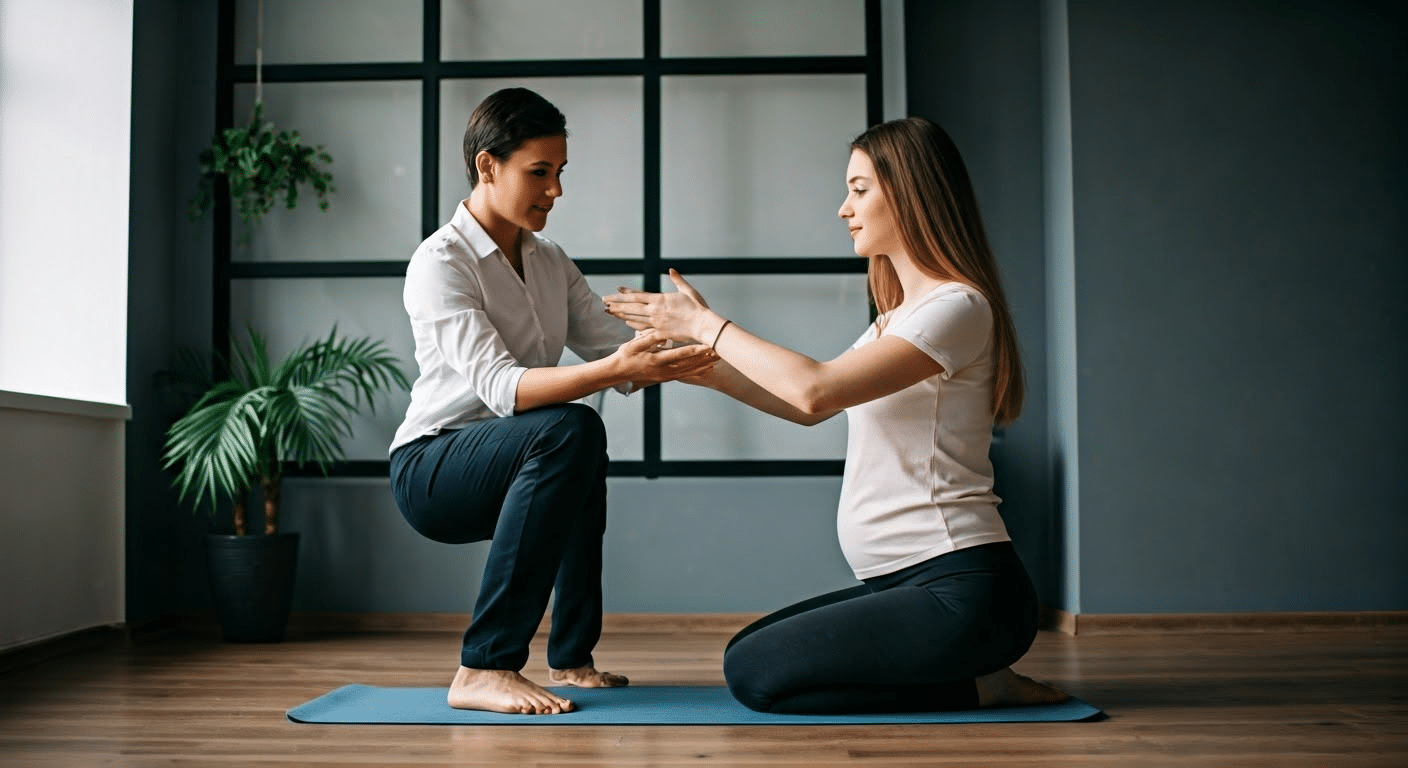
<point x="241" y="432"/>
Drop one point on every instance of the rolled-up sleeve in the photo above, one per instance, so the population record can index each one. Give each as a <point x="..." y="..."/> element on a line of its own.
<point x="471" y="346"/>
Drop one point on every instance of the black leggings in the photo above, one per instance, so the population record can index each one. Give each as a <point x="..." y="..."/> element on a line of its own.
<point x="909" y="641"/>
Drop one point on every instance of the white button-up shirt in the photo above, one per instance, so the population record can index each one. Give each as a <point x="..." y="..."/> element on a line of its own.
<point x="478" y="326"/>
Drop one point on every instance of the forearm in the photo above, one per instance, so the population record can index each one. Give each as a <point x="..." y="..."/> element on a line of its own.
<point x="548" y="386"/>
<point x="729" y="381"/>
<point x="793" y="379"/>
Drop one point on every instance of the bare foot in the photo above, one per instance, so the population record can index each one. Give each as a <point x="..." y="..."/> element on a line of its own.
<point x="587" y="677"/>
<point x="503" y="690"/>
<point x="1006" y="688"/>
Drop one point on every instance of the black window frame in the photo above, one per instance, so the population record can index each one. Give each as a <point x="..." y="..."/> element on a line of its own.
<point x="651" y="67"/>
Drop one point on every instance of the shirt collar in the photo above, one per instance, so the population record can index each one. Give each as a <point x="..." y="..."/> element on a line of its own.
<point x="479" y="241"/>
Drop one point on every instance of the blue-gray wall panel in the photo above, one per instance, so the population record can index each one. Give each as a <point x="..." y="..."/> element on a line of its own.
<point x="1240" y="276"/>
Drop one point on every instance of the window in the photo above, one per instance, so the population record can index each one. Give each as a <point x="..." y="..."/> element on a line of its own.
<point x="706" y="135"/>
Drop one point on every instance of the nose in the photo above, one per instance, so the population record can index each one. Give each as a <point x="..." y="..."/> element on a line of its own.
<point x="555" y="188"/>
<point x="846" y="211"/>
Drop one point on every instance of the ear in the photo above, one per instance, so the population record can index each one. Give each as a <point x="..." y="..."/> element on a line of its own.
<point x="484" y="163"/>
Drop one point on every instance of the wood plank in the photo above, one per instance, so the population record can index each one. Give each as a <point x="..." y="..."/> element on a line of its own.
<point x="178" y="696"/>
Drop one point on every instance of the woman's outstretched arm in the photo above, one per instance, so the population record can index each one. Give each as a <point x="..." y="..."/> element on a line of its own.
<point x="870" y="371"/>
<point x="726" y="379"/>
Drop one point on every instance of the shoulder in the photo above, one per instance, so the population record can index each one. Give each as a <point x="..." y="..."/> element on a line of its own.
<point x="946" y="300"/>
<point x="949" y="308"/>
<point x="444" y="257"/>
<point x="954" y="299"/>
<point x="958" y="293"/>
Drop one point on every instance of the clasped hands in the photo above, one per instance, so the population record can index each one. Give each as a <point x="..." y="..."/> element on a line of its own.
<point x="662" y="319"/>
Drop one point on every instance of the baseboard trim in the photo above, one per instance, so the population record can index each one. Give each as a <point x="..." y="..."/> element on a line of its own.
<point x="1055" y="619"/>
<point x="644" y="623"/>
<point x="29" y="654"/>
<point x="1253" y="621"/>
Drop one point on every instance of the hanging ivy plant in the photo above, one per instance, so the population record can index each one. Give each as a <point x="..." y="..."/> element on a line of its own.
<point x="261" y="165"/>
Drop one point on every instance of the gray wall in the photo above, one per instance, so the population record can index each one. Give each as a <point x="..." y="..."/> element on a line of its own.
<point x="1240" y="241"/>
<point x="672" y="545"/>
<point x="1229" y="367"/>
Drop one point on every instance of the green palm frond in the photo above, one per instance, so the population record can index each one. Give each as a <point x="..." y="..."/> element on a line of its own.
<point x="215" y="442"/>
<point x="308" y="425"/>
<point x="243" y="427"/>
<point x="253" y="367"/>
<point x="362" y="366"/>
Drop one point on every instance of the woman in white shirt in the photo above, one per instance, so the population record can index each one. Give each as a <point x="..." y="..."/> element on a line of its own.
<point x="492" y="446"/>
<point x="946" y="606"/>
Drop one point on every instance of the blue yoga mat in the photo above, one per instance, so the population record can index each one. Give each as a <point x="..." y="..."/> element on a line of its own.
<point x="633" y="705"/>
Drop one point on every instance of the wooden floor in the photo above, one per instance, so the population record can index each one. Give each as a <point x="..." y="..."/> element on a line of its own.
<point x="182" y="698"/>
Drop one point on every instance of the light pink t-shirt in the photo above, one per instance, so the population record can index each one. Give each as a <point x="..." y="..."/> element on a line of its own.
<point x="918" y="482"/>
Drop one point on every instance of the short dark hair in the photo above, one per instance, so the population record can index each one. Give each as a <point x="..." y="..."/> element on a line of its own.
<point x="506" y="119"/>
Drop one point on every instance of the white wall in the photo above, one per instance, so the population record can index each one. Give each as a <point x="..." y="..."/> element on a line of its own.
<point x="65" y="130"/>
<point x="61" y="555"/>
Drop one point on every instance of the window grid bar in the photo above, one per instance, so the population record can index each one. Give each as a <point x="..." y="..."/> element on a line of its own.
<point x="246" y="270"/>
<point x="752" y="65"/>
<point x="666" y="468"/>
<point x="430" y="121"/>
<point x="874" y="59"/>
<point x="221" y="226"/>
<point x="650" y="110"/>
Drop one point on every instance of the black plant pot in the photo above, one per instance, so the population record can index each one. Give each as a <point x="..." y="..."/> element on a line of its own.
<point x="251" y="578"/>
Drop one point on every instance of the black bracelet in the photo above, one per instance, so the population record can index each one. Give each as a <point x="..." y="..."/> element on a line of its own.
<point x="719" y="334"/>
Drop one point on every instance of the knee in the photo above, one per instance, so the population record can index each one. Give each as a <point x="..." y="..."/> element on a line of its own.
<point x="579" y="427"/>
<point x="745" y="681"/>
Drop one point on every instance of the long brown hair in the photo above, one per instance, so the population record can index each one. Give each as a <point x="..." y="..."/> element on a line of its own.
<point x="922" y="175"/>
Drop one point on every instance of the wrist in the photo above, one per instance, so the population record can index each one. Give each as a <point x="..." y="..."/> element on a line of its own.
<point x="614" y="370"/>
<point x="709" y="327"/>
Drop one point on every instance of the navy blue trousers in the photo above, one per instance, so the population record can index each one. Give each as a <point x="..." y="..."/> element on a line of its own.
<point x="909" y="641"/>
<point x="535" y="484"/>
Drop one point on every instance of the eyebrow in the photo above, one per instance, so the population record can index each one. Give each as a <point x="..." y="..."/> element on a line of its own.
<point x="854" y="179"/>
<point x="548" y="163"/>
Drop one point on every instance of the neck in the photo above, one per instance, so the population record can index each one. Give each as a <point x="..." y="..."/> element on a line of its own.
<point x="505" y="234"/>
<point x="912" y="281"/>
